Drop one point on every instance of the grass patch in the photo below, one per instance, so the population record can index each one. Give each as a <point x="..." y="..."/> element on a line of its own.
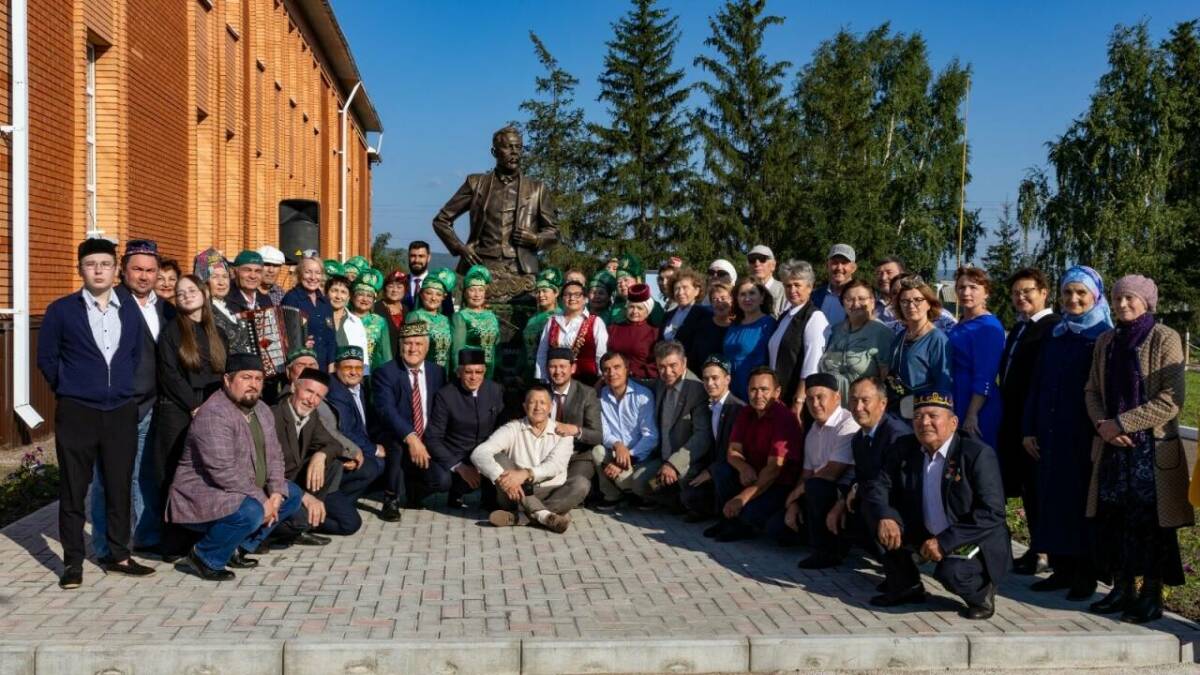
<point x="29" y="488"/>
<point x="1191" y="403"/>
<point x="1183" y="600"/>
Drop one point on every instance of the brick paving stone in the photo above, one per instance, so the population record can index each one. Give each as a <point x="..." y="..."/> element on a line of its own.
<point x="445" y="575"/>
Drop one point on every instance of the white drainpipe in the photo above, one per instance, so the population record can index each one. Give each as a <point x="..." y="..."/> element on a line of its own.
<point x="342" y="177"/>
<point x="19" y="135"/>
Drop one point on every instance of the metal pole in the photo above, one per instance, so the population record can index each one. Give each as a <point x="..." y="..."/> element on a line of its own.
<point x="342" y="176"/>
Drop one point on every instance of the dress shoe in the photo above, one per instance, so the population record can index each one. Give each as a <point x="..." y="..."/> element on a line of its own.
<point x="171" y="558"/>
<point x="819" y="561"/>
<point x="695" y="517"/>
<point x="1082" y="588"/>
<point x="265" y="548"/>
<point x="204" y="571"/>
<point x="455" y="501"/>
<point x="503" y="518"/>
<point x="1027" y="564"/>
<point x="131" y="568"/>
<point x="1055" y="582"/>
<point x="734" y="531"/>
<point x="72" y="578"/>
<point x="556" y="523"/>
<point x="908" y="596"/>
<point x="606" y="505"/>
<point x="1118" y="599"/>
<point x="390" y="513"/>
<point x="882" y="586"/>
<point x="713" y="530"/>
<point x="985" y="609"/>
<point x="311" y="539"/>
<point x="1148" y="606"/>
<point x="241" y="561"/>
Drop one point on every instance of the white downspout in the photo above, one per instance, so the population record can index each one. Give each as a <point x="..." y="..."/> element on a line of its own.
<point x="19" y="134"/>
<point x="342" y="176"/>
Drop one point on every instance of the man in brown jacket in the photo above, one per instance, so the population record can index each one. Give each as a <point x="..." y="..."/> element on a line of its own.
<point x="230" y="484"/>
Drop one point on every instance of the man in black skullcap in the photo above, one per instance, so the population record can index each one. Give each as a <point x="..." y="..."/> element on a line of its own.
<point x="464" y="414"/>
<point x="89" y="347"/>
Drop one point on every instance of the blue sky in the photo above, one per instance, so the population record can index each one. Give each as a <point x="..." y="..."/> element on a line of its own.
<point x="445" y="74"/>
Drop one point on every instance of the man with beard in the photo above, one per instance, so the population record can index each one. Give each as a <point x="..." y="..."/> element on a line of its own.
<point x="418" y="269"/>
<point x="230" y="485"/>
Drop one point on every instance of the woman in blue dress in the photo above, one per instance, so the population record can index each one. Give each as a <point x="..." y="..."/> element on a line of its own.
<point x="920" y="360"/>
<point x="1058" y="434"/>
<point x="977" y="343"/>
<point x="748" y="335"/>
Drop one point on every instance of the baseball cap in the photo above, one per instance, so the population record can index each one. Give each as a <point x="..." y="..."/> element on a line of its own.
<point x="844" y="250"/>
<point x="762" y="249"/>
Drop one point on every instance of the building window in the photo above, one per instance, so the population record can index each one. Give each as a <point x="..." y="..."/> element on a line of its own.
<point x="90" y="96"/>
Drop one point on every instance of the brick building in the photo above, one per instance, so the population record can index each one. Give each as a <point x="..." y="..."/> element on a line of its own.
<point x="191" y="122"/>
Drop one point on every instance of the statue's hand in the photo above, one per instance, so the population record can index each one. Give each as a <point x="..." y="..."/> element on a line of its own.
<point x="468" y="252"/>
<point x="526" y="238"/>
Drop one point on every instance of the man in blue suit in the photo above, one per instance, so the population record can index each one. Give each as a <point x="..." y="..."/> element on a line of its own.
<point x="402" y="392"/>
<point x="956" y="519"/>
<point x="464" y="414"/>
<point x="349" y="401"/>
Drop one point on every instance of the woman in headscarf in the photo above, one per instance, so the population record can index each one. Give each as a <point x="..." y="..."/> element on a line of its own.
<point x="1058" y="435"/>
<point x="437" y="285"/>
<point x="1139" y="485"/>
<point x="634" y="337"/>
<point x="475" y="325"/>
<point x="549" y="282"/>
<point x="379" y="343"/>
<point x="211" y="267"/>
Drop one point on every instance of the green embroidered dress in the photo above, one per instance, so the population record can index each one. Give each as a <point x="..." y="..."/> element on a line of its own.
<point x="379" y="344"/>
<point x="533" y="337"/>
<point x="439" y="334"/>
<point x="477" y="328"/>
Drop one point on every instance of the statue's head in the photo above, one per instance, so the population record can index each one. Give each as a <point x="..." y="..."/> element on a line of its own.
<point x="506" y="148"/>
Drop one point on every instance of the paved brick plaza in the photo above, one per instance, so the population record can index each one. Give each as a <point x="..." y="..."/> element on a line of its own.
<point x="439" y="575"/>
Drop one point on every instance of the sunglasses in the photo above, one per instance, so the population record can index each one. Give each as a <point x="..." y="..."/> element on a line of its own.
<point x="756" y="259"/>
<point x="350" y="369"/>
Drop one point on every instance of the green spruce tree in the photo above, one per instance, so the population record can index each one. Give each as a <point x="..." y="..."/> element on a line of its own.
<point x="644" y="148"/>
<point x="1003" y="257"/>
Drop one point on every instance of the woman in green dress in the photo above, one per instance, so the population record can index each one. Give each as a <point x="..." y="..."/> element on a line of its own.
<point x="549" y="283"/>
<point x="379" y="344"/>
<point x="436" y="286"/>
<point x="474" y="325"/>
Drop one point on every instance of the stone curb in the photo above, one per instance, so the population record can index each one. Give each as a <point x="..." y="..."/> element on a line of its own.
<point x="542" y="656"/>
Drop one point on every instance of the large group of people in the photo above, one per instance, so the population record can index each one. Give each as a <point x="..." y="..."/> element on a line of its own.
<point x="858" y="414"/>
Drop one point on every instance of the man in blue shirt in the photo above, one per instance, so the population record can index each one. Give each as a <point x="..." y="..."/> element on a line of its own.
<point x="626" y="461"/>
<point x="88" y="351"/>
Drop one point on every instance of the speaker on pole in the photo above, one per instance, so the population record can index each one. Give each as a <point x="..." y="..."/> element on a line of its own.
<point x="299" y="228"/>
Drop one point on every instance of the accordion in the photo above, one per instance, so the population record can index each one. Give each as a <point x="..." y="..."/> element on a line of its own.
<point x="269" y="332"/>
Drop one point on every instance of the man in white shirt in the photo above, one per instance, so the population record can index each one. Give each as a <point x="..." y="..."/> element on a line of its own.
<point x="827" y="457"/>
<point x="698" y="495"/>
<point x="761" y="261"/>
<point x="526" y="460"/>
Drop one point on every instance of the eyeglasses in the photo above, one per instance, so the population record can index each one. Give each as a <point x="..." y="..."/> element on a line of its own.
<point x="912" y="302"/>
<point x="572" y="296"/>
<point x="99" y="264"/>
<point x="1025" y="292"/>
<point x="350" y="369"/>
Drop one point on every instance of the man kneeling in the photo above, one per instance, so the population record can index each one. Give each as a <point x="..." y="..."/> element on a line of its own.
<point x="527" y="461"/>
<point x="230" y="484"/>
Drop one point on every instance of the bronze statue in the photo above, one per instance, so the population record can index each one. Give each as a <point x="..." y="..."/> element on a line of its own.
<point x="504" y="236"/>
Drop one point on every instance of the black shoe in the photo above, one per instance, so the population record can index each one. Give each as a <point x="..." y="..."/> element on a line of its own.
<point x="819" y="561"/>
<point x="1148" y="606"/>
<point x="454" y="500"/>
<point x="882" y="586"/>
<point x="265" y="547"/>
<point x="72" y="578"/>
<point x="908" y="596"/>
<point x="171" y="558"/>
<point x="695" y="517"/>
<point x="311" y="539"/>
<point x="1082" y="588"/>
<point x="390" y="513"/>
<point x="131" y="568"/>
<point x="605" y="505"/>
<point x="1055" y="582"/>
<point x="734" y="531"/>
<point x="985" y="609"/>
<point x="1027" y="564"/>
<point x="713" y="530"/>
<point x="241" y="561"/>
<point x="204" y="571"/>
<point x="1119" y="599"/>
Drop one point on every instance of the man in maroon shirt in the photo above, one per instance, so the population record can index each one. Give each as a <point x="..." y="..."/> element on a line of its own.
<point x="766" y="452"/>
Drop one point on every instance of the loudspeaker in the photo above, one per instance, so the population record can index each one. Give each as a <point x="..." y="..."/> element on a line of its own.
<point x="299" y="228"/>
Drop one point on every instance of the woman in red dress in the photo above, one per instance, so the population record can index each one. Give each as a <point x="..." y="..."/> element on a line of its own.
<point x="635" y="337"/>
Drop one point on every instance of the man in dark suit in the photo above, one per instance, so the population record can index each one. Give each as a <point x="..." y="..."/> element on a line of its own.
<point x="310" y="456"/>
<point x="575" y="409"/>
<point x="684" y="423"/>
<point x="956" y="520"/>
<point x="1030" y="296"/>
<point x="245" y="295"/>
<point x="795" y="349"/>
<point x="418" y="269"/>
<point x="403" y="391"/>
<point x="464" y="414"/>
<point x="351" y="404"/>
<point x="697" y="494"/>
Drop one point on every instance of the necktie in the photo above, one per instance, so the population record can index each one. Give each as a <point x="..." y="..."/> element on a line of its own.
<point x="418" y="418"/>
<point x="560" y="403"/>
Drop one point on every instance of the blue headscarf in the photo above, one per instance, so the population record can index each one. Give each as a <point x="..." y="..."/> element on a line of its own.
<point x="1097" y="319"/>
